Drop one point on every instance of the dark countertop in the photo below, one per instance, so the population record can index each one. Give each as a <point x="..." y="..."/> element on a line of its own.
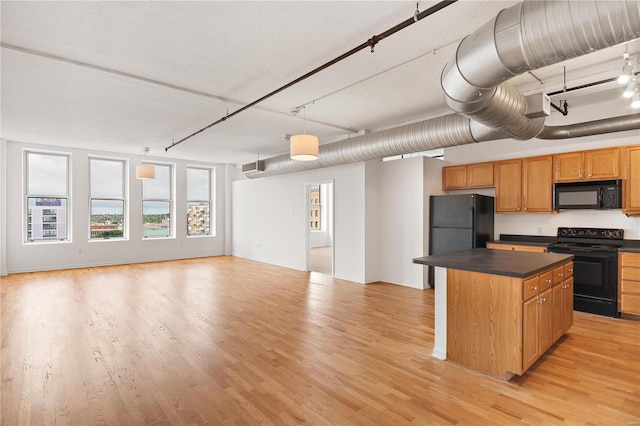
<point x="517" y="264"/>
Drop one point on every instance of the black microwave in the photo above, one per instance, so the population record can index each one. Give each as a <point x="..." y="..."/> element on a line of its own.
<point x="597" y="195"/>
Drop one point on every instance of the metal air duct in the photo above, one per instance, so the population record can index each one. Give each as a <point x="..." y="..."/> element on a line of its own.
<point x="525" y="37"/>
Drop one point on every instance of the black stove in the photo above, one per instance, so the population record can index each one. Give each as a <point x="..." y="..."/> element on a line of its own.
<point x="595" y="266"/>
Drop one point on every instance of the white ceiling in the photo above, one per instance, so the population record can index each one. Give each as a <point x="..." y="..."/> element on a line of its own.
<point x="119" y="76"/>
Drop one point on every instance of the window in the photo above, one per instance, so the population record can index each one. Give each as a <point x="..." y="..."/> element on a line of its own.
<point x="107" y="199"/>
<point x="198" y="201"/>
<point x="46" y="196"/>
<point x="157" y="203"/>
<point x="314" y="207"/>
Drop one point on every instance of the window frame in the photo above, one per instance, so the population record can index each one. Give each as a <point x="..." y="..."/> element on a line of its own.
<point x="27" y="195"/>
<point x="170" y="200"/>
<point x="210" y="170"/>
<point x="124" y="199"/>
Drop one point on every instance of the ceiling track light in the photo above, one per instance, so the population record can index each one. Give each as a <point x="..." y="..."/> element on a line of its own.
<point x="630" y="89"/>
<point x="627" y="70"/>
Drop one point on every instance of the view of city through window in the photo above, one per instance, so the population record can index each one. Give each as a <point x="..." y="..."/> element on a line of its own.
<point x="107" y="198"/>
<point x="315" y="223"/>
<point x="47" y="196"/>
<point x="198" y="201"/>
<point x="156" y="203"/>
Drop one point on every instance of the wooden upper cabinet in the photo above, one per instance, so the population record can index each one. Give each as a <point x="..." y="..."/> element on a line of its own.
<point x="508" y="181"/>
<point x="454" y="177"/>
<point x="478" y="175"/>
<point x="631" y="180"/>
<point x="597" y="164"/>
<point x="524" y="185"/>
<point x="537" y="188"/>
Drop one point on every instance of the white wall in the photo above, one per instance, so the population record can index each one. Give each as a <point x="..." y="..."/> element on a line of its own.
<point x="371" y="220"/>
<point x="269" y="218"/>
<point x="403" y="217"/>
<point x="80" y="252"/>
<point x="3" y="207"/>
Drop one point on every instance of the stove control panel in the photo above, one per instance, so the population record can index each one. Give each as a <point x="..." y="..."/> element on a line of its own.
<point x="599" y="233"/>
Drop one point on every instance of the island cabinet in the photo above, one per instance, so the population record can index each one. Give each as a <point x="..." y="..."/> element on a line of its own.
<point x="502" y="324"/>
<point x="596" y="164"/>
<point x="477" y="175"/>
<point x="524" y="185"/>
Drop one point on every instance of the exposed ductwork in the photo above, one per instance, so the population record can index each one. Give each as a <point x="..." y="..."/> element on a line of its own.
<point x="525" y="37"/>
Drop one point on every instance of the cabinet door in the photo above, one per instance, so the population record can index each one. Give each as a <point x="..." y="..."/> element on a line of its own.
<point x="558" y="311"/>
<point x="602" y="163"/>
<point x="545" y="320"/>
<point x="508" y="180"/>
<point x="480" y="175"/>
<point x="568" y="167"/>
<point x="537" y="188"/>
<point x="454" y="177"/>
<point x="529" y="332"/>
<point x="631" y="180"/>
<point x="567" y="319"/>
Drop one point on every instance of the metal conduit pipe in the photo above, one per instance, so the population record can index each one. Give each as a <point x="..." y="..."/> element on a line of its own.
<point x="526" y="37"/>
<point x="596" y="127"/>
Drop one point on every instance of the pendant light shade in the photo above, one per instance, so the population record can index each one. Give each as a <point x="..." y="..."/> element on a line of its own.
<point x="145" y="171"/>
<point x="304" y="147"/>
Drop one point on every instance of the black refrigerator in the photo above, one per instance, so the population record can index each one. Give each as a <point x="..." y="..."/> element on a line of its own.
<point x="459" y="222"/>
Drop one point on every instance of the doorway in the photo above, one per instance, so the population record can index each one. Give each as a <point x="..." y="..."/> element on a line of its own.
<point x="320" y="230"/>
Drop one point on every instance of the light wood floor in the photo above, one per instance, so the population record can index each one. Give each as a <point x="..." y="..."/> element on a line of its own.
<point x="231" y="341"/>
<point x="320" y="259"/>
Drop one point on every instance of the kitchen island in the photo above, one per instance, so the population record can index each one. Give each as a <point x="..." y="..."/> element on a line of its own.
<point x="498" y="311"/>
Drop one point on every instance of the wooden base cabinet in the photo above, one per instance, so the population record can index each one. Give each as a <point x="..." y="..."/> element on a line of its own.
<point x="501" y="325"/>
<point x="629" y="283"/>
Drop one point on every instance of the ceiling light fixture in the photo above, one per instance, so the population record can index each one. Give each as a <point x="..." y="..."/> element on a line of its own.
<point x="630" y="89"/>
<point x="145" y="171"/>
<point x="627" y="70"/>
<point x="304" y="146"/>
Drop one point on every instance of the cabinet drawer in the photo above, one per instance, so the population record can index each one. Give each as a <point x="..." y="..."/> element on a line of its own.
<point x="530" y="287"/>
<point x="630" y="303"/>
<point x="558" y="275"/>
<point x="630" y="259"/>
<point x="630" y="287"/>
<point x="568" y="270"/>
<point x="546" y="280"/>
<point x="627" y="273"/>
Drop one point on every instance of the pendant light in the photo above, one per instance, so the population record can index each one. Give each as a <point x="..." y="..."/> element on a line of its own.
<point x="145" y="171"/>
<point x="304" y="146"/>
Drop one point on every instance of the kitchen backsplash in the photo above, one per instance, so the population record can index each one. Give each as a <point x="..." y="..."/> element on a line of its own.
<point x="547" y="224"/>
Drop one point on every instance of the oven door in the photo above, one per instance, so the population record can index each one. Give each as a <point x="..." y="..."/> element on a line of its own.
<point x="595" y="278"/>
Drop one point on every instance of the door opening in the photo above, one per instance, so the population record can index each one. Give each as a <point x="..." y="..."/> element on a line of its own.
<point x="320" y="236"/>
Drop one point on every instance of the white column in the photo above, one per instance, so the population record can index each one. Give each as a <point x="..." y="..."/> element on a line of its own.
<point x="440" y="316"/>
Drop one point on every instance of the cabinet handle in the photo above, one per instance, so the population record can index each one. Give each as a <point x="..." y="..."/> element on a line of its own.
<point x="580" y="176"/>
<point x="547" y="281"/>
<point x="590" y="175"/>
<point x="561" y="275"/>
<point x="534" y="287"/>
<point x="571" y="270"/>
<point x="526" y="208"/>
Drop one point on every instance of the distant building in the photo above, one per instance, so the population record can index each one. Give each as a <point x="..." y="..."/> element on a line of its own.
<point x="314" y="208"/>
<point x="46" y="219"/>
<point x="198" y="219"/>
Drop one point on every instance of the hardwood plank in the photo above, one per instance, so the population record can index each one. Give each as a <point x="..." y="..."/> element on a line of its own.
<point x="230" y="341"/>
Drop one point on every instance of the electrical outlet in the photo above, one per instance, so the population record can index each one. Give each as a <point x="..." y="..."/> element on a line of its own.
<point x="539" y="230"/>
